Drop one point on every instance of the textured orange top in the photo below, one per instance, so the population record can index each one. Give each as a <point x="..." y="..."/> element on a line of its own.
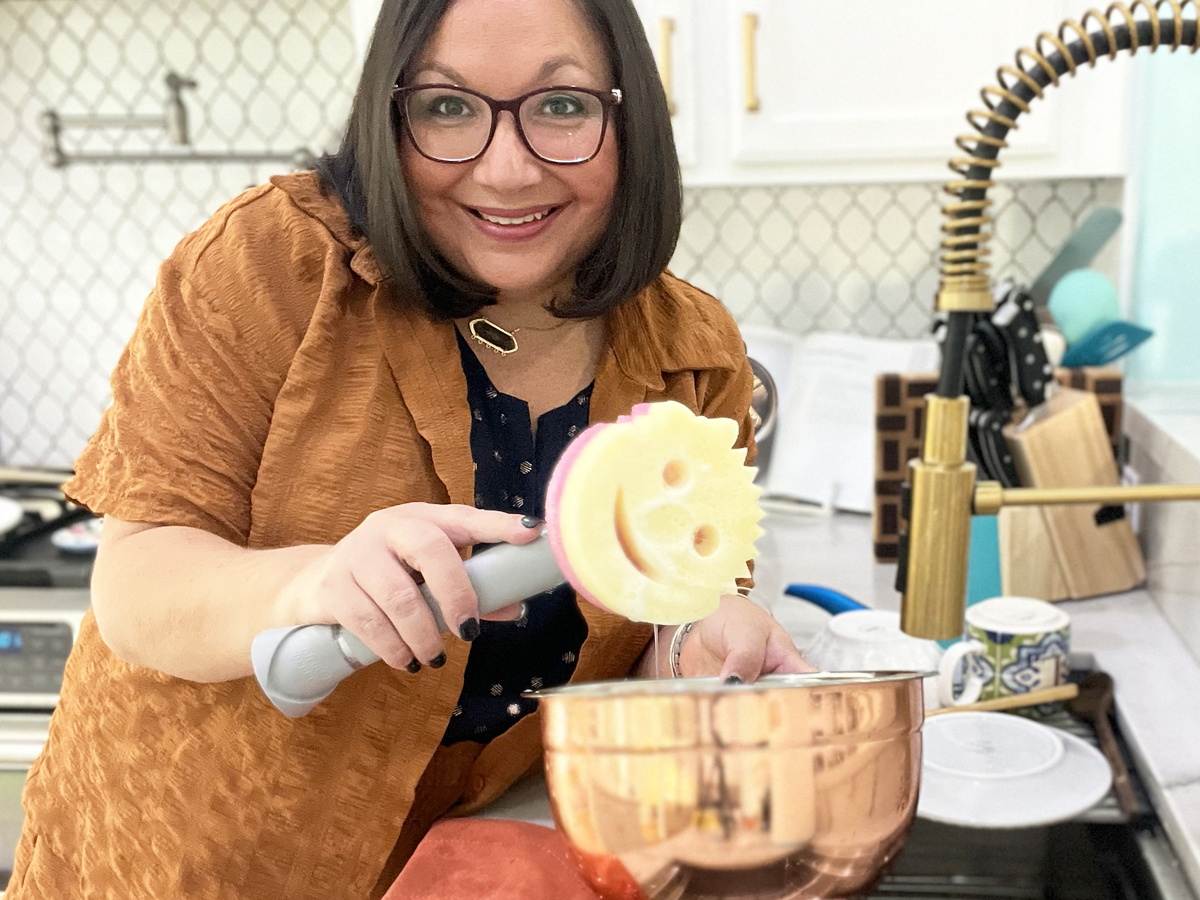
<point x="275" y="394"/>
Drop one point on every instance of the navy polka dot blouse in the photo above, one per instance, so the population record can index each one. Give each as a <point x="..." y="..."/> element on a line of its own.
<point x="512" y="471"/>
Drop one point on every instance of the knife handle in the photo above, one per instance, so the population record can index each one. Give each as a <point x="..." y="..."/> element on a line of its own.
<point x="988" y="369"/>
<point x="987" y="429"/>
<point x="299" y="666"/>
<point x="1033" y="372"/>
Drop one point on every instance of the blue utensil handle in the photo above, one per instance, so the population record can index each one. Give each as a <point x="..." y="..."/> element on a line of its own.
<point x="828" y="599"/>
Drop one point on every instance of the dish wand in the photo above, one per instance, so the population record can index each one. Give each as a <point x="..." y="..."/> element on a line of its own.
<point x="299" y="666"/>
<point x="588" y="542"/>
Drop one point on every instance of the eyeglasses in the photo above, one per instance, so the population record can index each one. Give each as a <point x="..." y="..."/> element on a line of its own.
<point x="452" y="124"/>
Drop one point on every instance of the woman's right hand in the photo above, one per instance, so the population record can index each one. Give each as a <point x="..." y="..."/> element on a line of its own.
<point x="367" y="582"/>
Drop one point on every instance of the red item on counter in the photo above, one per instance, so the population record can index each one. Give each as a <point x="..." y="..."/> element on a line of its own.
<point x="466" y="859"/>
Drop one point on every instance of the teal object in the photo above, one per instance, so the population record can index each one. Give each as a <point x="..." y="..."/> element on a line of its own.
<point x="983" y="564"/>
<point x="1104" y="344"/>
<point x="1081" y="302"/>
<point x="1163" y="164"/>
<point x="1085" y="308"/>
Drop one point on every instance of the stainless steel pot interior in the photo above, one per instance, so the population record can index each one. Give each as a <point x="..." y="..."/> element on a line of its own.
<point x="764" y="401"/>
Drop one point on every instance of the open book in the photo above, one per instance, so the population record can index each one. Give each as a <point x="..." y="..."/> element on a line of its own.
<point x="823" y="447"/>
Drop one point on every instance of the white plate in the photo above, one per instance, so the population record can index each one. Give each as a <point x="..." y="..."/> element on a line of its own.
<point x="81" y="537"/>
<point x="11" y="514"/>
<point x="997" y="770"/>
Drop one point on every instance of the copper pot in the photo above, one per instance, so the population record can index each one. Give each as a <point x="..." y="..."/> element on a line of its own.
<point x="798" y="786"/>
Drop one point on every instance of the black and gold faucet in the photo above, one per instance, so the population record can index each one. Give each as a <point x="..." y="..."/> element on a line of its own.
<point x="942" y="493"/>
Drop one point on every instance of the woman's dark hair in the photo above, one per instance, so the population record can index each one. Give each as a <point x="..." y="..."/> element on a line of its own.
<point x="646" y="210"/>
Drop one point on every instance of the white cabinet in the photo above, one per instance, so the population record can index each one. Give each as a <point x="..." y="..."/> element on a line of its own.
<point x="864" y="90"/>
<point x="671" y="28"/>
<point x="875" y="82"/>
<point x="875" y="90"/>
<point x="363" y="14"/>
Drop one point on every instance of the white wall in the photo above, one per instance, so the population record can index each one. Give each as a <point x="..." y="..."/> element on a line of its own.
<point x="79" y="247"/>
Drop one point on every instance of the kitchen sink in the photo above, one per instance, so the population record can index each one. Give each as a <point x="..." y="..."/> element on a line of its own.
<point x="1101" y="855"/>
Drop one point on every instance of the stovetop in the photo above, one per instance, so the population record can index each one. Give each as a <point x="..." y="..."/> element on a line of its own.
<point x="1071" y="861"/>
<point x="38" y="563"/>
<point x="27" y="556"/>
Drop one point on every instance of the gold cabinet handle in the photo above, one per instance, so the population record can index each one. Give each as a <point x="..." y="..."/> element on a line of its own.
<point x="749" y="29"/>
<point x="666" y="66"/>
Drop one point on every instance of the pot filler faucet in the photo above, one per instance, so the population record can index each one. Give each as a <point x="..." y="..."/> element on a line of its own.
<point x="942" y="492"/>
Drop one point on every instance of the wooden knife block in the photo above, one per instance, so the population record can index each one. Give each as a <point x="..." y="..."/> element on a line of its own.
<point x="899" y="429"/>
<point x="1063" y="552"/>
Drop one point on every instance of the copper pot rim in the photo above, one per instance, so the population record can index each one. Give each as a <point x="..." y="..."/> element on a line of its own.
<point x="675" y="687"/>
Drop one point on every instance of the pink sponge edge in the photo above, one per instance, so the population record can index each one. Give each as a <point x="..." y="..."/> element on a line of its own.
<point x="554" y="492"/>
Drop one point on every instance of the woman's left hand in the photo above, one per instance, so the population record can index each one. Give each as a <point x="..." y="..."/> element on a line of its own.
<point x="740" y="640"/>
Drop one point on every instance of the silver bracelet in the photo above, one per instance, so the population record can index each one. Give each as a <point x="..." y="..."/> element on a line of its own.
<point x="677" y="647"/>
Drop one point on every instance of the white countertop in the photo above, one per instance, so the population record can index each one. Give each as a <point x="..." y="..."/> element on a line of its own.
<point x="1157" y="680"/>
<point x="1173" y="407"/>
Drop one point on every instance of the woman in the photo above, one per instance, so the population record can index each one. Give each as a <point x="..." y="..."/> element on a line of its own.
<point x="304" y="423"/>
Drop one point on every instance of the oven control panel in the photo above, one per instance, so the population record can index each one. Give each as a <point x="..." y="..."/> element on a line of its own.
<point x="38" y="628"/>
<point x="32" y="656"/>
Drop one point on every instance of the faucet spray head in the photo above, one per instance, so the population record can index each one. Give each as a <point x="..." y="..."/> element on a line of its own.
<point x="934" y="564"/>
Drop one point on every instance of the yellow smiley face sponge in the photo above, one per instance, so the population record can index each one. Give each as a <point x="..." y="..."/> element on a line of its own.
<point x="655" y="516"/>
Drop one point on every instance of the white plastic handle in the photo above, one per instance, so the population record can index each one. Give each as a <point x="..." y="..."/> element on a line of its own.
<point x="973" y="685"/>
<point x="299" y="666"/>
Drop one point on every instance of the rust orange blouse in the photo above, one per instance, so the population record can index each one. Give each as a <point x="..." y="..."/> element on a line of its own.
<point x="274" y="394"/>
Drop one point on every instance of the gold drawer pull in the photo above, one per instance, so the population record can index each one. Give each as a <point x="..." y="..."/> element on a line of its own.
<point x="749" y="29"/>
<point x="666" y="34"/>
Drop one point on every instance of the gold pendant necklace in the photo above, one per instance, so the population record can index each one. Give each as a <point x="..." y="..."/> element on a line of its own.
<point x="497" y="339"/>
<point x="492" y="336"/>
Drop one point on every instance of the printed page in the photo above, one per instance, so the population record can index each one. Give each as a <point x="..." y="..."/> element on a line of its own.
<point x="824" y="443"/>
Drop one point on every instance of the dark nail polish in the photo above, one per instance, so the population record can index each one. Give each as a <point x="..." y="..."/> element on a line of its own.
<point x="438" y="661"/>
<point x="413" y="667"/>
<point x="532" y="521"/>
<point x="733" y="679"/>
<point x="469" y="630"/>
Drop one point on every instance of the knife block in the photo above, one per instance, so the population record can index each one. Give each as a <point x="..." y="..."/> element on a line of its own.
<point x="899" y="430"/>
<point x="1066" y="552"/>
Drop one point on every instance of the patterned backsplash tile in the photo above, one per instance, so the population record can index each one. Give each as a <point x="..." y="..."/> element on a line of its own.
<point x="81" y="245"/>
<point x="862" y="258"/>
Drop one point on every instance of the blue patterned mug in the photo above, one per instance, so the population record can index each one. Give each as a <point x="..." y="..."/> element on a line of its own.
<point x="1023" y="645"/>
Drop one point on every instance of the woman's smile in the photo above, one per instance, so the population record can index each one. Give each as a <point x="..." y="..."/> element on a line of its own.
<point x="514" y="224"/>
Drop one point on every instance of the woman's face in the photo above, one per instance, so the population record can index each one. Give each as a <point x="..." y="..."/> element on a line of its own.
<point x="506" y="48"/>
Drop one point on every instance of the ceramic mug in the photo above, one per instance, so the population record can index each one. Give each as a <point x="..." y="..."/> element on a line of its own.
<point x="871" y="640"/>
<point x="1013" y="645"/>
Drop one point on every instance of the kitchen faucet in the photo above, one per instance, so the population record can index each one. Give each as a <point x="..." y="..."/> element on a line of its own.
<point x="174" y="123"/>
<point x="942" y="492"/>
